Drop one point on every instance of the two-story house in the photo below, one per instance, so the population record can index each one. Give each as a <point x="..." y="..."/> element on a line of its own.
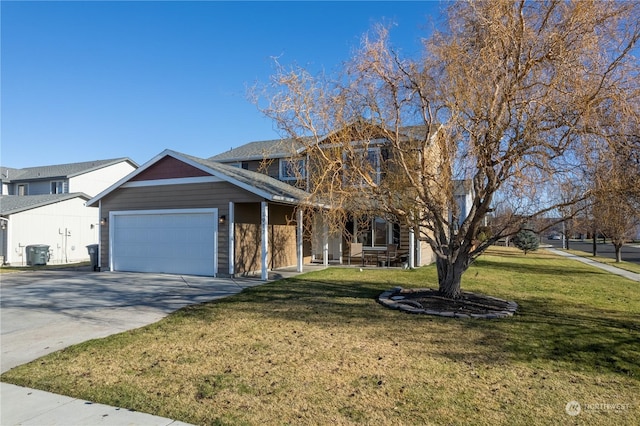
<point x="234" y="213"/>
<point x="45" y="205"/>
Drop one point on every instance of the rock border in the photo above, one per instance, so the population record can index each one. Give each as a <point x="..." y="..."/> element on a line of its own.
<point x="393" y="299"/>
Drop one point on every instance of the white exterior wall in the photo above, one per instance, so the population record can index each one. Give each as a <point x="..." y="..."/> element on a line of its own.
<point x="464" y="205"/>
<point x="47" y="225"/>
<point x="95" y="182"/>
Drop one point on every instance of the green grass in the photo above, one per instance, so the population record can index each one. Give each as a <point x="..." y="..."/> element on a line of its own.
<point x="318" y="349"/>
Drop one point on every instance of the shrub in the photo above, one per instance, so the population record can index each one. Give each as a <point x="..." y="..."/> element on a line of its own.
<point x="526" y="240"/>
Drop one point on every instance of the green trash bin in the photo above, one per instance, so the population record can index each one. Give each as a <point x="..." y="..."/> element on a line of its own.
<point x="37" y="254"/>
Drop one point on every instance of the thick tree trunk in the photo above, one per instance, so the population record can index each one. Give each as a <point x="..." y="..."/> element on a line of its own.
<point x="618" y="248"/>
<point x="449" y="277"/>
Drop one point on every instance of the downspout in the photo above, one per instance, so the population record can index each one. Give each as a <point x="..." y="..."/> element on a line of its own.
<point x="99" y="234"/>
<point x="4" y="223"/>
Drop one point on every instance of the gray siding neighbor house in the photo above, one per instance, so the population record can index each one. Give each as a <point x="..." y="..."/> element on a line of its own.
<point x="45" y="205"/>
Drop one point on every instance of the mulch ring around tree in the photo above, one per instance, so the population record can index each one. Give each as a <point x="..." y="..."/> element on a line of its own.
<point x="428" y="301"/>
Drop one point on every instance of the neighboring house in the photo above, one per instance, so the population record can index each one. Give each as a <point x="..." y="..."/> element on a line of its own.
<point x="90" y="177"/>
<point x="61" y="221"/>
<point x="45" y="205"/>
<point x="232" y="214"/>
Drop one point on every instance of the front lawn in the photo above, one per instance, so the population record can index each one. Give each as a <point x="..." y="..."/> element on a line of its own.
<point x="319" y="349"/>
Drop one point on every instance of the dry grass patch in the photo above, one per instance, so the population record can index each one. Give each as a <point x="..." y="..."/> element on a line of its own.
<point x="318" y="349"/>
<point x="13" y="269"/>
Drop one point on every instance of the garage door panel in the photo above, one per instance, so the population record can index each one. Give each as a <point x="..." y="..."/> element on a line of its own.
<point x="179" y="243"/>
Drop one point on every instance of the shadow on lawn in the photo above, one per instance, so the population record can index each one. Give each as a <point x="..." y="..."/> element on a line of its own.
<point x="576" y="337"/>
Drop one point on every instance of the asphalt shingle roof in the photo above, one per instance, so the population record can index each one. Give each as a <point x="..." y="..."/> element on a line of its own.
<point x="10" y="204"/>
<point x="284" y="148"/>
<point x="277" y="148"/>
<point x="277" y="189"/>
<point x="57" y="171"/>
<point x="258" y="183"/>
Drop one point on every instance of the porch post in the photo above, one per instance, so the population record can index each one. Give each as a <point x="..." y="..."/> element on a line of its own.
<point x="264" y="222"/>
<point x="412" y="248"/>
<point x="300" y="254"/>
<point x="232" y="242"/>
<point x="325" y="243"/>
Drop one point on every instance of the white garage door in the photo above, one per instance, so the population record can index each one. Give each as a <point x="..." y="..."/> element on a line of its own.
<point x="169" y="241"/>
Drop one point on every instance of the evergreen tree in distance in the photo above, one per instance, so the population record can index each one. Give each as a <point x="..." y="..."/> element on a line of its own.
<point x="526" y="240"/>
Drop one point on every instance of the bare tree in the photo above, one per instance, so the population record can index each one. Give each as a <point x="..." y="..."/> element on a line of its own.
<point x="616" y="183"/>
<point x="504" y="99"/>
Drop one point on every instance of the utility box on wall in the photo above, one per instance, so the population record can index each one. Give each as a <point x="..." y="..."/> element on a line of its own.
<point x="37" y="254"/>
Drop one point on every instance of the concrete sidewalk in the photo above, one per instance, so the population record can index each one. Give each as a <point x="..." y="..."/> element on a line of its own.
<point x="46" y="311"/>
<point x="23" y="406"/>
<point x="611" y="269"/>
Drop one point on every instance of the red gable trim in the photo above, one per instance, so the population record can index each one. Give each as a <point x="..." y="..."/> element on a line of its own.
<point x="169" y="168"/>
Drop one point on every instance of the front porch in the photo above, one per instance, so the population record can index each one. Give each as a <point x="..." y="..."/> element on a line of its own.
<point x="383" y="244"/>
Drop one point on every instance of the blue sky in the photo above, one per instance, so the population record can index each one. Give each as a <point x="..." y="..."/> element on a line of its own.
<point x="83" y="81"/>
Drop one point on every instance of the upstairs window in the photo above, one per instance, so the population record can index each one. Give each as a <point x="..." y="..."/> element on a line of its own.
<point x="241" y="165"/>
<point x="361" y="162"/>
<point x="58" y="187"/>
<point x="23" y="189"/>
<point x="292" y="169"/>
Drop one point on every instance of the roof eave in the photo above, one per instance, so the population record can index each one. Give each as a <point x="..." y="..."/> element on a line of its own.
<point x="63" y="197"/>
<point x="111" y="163"/>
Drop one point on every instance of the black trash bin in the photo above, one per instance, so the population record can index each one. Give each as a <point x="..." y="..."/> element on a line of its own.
<point x="37" y="254"/>
<point x="93" y="254"/>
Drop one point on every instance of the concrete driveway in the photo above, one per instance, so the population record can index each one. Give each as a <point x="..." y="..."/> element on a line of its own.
<point x="44" y="311"/>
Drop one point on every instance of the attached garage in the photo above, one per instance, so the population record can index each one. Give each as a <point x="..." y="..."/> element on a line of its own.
<point x="179" y="214"/>
<point x="164" y="241"/>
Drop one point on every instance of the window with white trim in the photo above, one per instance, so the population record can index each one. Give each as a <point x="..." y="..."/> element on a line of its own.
<point x="241" y="165"/>
<point x="292" y="169"/>
<point x="362" y="161"/>
<point x="376" y="232"/>
<point x="58" y="187"/>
